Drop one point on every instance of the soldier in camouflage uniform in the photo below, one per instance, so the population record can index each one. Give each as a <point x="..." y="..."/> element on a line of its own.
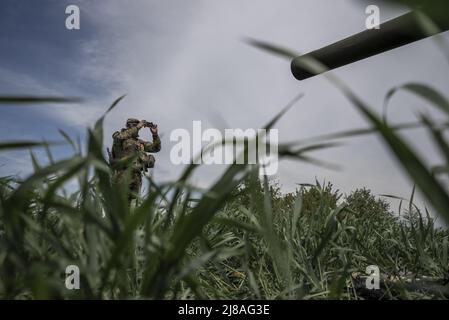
<point x="127" y="144"/>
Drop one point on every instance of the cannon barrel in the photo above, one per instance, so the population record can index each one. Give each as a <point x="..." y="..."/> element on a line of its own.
<point x="392" y="34"/>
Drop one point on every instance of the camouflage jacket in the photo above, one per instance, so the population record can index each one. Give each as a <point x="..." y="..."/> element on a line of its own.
<point x="126" y="144"/>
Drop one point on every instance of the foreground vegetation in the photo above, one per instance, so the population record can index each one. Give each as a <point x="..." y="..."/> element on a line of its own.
<point x="239" y="239"/>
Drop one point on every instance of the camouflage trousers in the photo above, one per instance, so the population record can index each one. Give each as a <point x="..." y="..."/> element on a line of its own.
<point x="135" y="182"/>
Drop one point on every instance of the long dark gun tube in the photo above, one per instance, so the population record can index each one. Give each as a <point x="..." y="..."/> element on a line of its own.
<point x="391" y="34"/>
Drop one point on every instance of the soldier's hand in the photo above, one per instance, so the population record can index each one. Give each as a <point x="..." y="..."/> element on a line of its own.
<point x="153" y="129"/>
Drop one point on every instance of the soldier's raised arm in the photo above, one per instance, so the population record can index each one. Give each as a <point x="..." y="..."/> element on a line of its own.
<point x="154" y="146"/>
<point x="128" y="132"/>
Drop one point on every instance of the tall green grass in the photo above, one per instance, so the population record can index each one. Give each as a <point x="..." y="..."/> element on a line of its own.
<point x="241" y="238"/>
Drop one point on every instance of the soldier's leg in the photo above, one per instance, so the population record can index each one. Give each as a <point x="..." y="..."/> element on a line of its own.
<point x="123" y="180"/>
<point x="135" y="185"/>
<point x="118" y="177"/>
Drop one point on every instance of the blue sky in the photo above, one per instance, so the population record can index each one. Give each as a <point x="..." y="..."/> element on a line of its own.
<point x="39" y="57"/>
<point x="180" y="61"/>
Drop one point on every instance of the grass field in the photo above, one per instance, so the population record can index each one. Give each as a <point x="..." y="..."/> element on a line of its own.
<point x="240" y="239"/>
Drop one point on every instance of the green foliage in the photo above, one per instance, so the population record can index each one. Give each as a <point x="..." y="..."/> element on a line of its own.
<point x="242" y="238"/>
<point x="363" y="203"/>
<point x="316" y="196"/>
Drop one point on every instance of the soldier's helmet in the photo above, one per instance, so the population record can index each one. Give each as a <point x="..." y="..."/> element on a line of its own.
<point x="131" y="122"/>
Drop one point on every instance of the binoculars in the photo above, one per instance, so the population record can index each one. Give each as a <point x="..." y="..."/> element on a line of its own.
<point x="148" y="124"/>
